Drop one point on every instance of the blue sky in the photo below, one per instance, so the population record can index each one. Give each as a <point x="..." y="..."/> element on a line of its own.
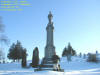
<point x="75" y="21"/>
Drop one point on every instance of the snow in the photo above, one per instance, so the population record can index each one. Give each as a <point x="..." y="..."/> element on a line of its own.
<point x="78" y="66"/>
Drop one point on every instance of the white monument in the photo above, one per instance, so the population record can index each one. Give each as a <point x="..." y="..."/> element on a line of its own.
<point x="50" y="48"/>
<point x="47" y="62"/>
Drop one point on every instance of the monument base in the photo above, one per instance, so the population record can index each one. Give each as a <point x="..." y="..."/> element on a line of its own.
<point x="47" y="61"/>
<point x="47" y="64"/>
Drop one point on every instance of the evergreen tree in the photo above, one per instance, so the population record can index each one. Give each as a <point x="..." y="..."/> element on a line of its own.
<point x="64" y="52"/>
<point x="35" y="58"/>
<point x="68" y="51"/>
<point x="24" y="55"/>
<point x="71" y="51"/>
<point x="18" y="51"/>
<point x="11" y="54"/>
<point x="15" y="51"/>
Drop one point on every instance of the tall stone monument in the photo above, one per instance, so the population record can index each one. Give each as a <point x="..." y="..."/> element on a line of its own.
<point x="47" y="62"/>
<point x="50" y="48"/>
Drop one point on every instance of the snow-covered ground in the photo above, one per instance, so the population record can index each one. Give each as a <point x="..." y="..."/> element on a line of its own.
<point x="78" y="66"/>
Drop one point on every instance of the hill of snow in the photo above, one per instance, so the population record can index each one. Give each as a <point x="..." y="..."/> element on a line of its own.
<point x="78" y="66"/>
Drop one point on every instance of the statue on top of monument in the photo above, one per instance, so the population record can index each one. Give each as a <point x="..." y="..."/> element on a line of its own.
<point x="50" y="16"/>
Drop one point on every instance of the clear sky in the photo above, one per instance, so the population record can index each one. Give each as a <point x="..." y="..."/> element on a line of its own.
<point x="75" y="21"/>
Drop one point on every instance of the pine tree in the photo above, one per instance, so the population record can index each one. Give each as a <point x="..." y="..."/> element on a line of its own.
<point x="68" y="51"/>
<point x="35" y="58"/>
<point x="64" y="52"/>
<point x="69" y="54"/>
<point x="18" y="50"/>
<point x="71" y="51"/>
<point x="11" y="54"/>
<point x="15" y="51"/>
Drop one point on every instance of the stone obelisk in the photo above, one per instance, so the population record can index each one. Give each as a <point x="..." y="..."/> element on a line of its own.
<point x="50" y="48"/>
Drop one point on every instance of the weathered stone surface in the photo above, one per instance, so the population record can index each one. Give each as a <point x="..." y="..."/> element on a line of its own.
<point x="50" y="48"/>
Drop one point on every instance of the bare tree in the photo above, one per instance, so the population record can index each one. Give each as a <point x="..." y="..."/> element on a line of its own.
<point x="1" y="25"/>
<point x="3" y="40"/>
<point x="0" y="55"/>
